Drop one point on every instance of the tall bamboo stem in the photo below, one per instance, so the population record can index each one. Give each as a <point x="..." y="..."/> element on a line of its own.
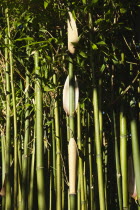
<point x="117" y="161"/>
<point x="26" y="140"/>
<point x="123" y="155"/>
<point x="3" y="154"/>
<point x="39" y="136"/>
<point x="32" y="173"/>
<point x="81" y="173"/>
<point x="14" y="114"/>
<point x="71" y="118"/>
<point x="8" y="127"/>
<point x="58" y="153"/>
<point x="97" y="130"/>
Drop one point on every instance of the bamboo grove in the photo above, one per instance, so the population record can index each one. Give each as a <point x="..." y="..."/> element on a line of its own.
<point x="69" y="105"/>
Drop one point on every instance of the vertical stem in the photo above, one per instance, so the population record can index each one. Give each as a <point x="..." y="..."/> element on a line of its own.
<point x="97" y="131"/>
<point x="71" y="118"/>
<point x="32" y="171"/>
<point x="100" y="109"/>
<point x="15" y="116"/>
<point x="117" y="161"/>
<point x="81" y="173"/>
<point x="3" y="154"/>
<point x="8" y="126"/>
<point x="92" y="202"/>
<point x="116" y="139"/>
<point x="54" y="155"/>
<point x="39" y="136"/>
<point x="123" y="155"/>
<point x="26" y="140"/>
<point x="58" y="153"/>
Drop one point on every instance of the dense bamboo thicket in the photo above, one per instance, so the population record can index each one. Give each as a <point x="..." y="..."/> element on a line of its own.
<point x="69" y="105"/>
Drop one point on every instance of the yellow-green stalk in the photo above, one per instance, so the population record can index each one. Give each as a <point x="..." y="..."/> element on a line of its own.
<point x="58" y="153"/>
<point x="8" y="124"/>
<point x="14" y="114"/>
<point x="39" y="135"/>
<point x="97" y="129"/>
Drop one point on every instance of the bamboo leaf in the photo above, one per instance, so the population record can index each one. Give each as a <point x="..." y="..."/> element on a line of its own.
<point x="94" y="47"/>
<point x="66" y="95"/>
<point x="46" y="3"/>
<point x="101" y="43"/>
<point x="25" y="39"/>
<point x="83" y="54"/>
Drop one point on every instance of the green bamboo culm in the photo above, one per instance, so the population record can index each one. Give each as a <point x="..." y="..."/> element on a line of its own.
<point x="8" y="125"/>
<point x="3" y="157"/>
<point x="53" y="153"/>
<point x="90" y="159"/>
<point x="97" y="129"/>
<point x="14" y="114"/>
<point x="58" y="153"/>
<point x="26" y="140"/>
<point x="117" y="162"/>
<point x="123" y="155"/>
<point x="123" y="146"/>
<point x="135" y="146"/>
<point x="116" y="147"/>
<point x="32" y="174"/>
<point x="39" y="136"/>
<point x="72" y="197"/>
<point x="81" y="172"/>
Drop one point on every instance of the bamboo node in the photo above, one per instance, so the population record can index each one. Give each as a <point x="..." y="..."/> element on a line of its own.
<point x="25" y="156"/>
<point x="83" y="202"/>
<point x="123" y="136"/>
<point x="58" y="153"/>
<point x="118" y="175"/>
<point x="98" y="156"/>
<point x="41" y="167"/>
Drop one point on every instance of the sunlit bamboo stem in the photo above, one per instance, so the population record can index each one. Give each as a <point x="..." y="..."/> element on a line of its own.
<point x="8" y="126"/>
<point x="14" y="114"/>
<point x="39" y="136"/>
<point x="58" y="153"/>
<point x="97" y="130"/>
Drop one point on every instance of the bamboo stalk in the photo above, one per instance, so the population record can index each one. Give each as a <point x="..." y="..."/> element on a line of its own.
<point x="91" y="199"/>
<point x="117" y="161"/>
<point x="97" y="130"/>
<point x="14" y="114"/>
<point x="32" y="173"/>
<point x="26" y="140"/>
<point x="58" y="153"/>
<point x="81" y="173"/>
<point x="8" y="127"/>
<point x="53" y="155"/>
<point x="39" y="136"/>
<point x="3" y="180"/>
<point x="123" y="155"/>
